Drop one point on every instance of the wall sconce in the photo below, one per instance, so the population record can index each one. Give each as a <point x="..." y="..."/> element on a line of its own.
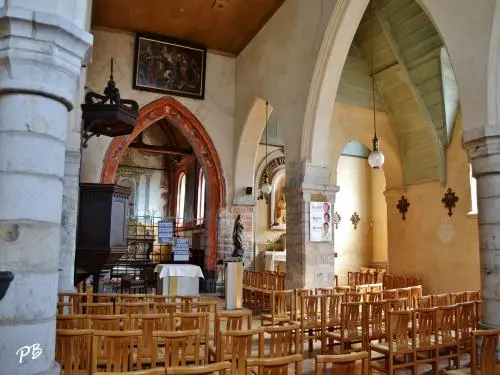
<point x="355" y="219"/>
<point x="402" y="206"/>
<point x="336" y="219"/>
<point x="449" y="200"/>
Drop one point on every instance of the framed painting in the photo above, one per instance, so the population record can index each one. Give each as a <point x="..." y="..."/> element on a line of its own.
<point x="169" y="66"/>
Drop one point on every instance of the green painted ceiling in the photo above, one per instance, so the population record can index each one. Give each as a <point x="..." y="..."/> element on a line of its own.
<point x="415" y="84"/>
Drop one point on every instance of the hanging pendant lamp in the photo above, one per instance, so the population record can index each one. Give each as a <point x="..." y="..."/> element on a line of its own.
<point x="376" y="157"/>
<point x="266" y="187"/>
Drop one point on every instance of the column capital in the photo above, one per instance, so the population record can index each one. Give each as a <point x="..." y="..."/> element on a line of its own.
<point x="43" y="54"/>
<point x="483" y="146"/>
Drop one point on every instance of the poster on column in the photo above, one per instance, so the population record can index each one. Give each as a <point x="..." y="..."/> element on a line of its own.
<point x="320" y="222"/>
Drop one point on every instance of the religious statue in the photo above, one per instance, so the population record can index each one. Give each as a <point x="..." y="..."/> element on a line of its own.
<point x="238" y="232"/>
<point x="281" y="210"/>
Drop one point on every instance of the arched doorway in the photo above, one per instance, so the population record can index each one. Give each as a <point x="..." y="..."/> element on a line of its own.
<point x="186" y="123"/>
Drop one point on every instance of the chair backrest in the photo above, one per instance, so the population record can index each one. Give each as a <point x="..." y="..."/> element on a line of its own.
<point x="390" y="294"/>
<point x="397" y="304"/>
<point x="277" y="365"/>
<point x="423" y="302"/>
<point x="96" y="308"/>
<point x="345" y="363"/>
<point x="178" y="347"/>
<point x="375" y="317"/>
<point x="73" y="350"/>
<point x="130" y="308"/>
<point x="148" y="323"/>
<point x="458" y="297"/>
<point x="487" y="362"/>
<point x="280" y="303"/>
<point x="440" y="300"/>
<point x="109" y="322"/>
<point x="424" y="326"/>
<point x="466" y="319"/>
<point x="69" y="321"/>
<point x="240" y="347"/>
<point x="222" y="368"/>
<point x="447" y="323"/>
<point x="115" y="349"/>
<point x="351" y="318"/>
<point x="398" y="332"/>
<point x="284" y="340"/>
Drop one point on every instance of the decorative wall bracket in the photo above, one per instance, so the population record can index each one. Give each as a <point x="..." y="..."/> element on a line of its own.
<point x="403" y="206"/>
<point x="449" y="200"/>
<point x="336" y="219"/>
<point x="355" y="219"/>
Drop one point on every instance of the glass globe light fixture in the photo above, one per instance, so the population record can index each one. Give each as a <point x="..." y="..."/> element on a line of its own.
<point x="376" y="158"/>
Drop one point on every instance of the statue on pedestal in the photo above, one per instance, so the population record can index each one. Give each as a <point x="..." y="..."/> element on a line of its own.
<point x="238" y="232"/>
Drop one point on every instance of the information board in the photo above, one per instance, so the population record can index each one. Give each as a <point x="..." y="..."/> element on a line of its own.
<point x="166" y="232"/>
<point x="320" y="222"/>
<point x="181" y="249"/>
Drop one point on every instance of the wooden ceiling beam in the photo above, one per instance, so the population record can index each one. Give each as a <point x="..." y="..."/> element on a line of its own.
<point x="416" y="94"/>
<point x="160" y="150"/>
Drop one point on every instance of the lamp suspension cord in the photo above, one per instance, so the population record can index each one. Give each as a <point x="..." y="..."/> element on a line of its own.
<point x="266" y="131"/>
<point x="372" y="19"/>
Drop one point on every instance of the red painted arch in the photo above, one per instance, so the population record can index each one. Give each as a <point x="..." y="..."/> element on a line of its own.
<point x="179" y="116"/>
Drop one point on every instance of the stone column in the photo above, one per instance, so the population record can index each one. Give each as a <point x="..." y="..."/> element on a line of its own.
<point x="41" y="61"/>
<point x="148" y="175"/>
<point x="137" y="178"/>
<point x="484" y="152"/>
<point x="308" y="264"/>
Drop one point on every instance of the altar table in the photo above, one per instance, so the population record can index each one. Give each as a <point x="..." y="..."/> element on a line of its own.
<point x="178" y="279"/>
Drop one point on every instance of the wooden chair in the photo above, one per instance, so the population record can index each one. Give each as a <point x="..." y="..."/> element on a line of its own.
<point x="352" y="327"/>
<point x="176" y="348"/>
<point x="220" y="368"/>
<point x="344" y="363"/>
<point x="71" y="300"/>
<point x="398" y="344"/>
<point x="229" y="321"/>
<point x="279" y="312"/>
<point x="375" y="325"/>
<point x="406" y="293"/>
<point x="69" y="321"/>
<point x="467" y="323"/>
<point x="415" y="293"/>
<point x="114" y="350"/>
<point x="200" y="321"/>
<point x="424" y="333"/>
<point x="310" y="320"/>
<point x="149" y="323"/>
<point x="447" y="334"/>
<point x="276" y="366"/>
<point x="330" y="316"/>
<point x="488" y="364"/>
<point x="240" y="348"/>
<point x="373" y="296"/>
<point x="73" y="351"/>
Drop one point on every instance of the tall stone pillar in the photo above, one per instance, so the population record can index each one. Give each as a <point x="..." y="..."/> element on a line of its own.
<point x="308" y="264"/>
<point x="484" y="152"/>
<point x="40" y="64"/>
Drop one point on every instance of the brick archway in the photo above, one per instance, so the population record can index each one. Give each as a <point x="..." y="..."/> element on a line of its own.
<point x="179" y="116"/>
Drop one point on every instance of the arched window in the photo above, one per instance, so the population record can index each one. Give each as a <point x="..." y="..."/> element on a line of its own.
<point x="181" y="195"/>
<point x="473" y="192"/>
<point x="200" y="210"/>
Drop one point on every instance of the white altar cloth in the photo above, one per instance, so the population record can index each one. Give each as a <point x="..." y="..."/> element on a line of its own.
<point x="178" y="279"/>
<point x="274" y="256"/>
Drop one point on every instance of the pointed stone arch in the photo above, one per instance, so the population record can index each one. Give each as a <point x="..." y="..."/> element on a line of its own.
<point x="179" y="116"/>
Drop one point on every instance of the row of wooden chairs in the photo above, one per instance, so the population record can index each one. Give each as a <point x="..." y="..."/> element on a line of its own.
<point x="381" y="276"/>
<point x="257" y="287"/>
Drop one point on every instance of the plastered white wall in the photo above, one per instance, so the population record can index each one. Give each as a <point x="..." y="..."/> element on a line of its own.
<point x="216" y="112"/>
